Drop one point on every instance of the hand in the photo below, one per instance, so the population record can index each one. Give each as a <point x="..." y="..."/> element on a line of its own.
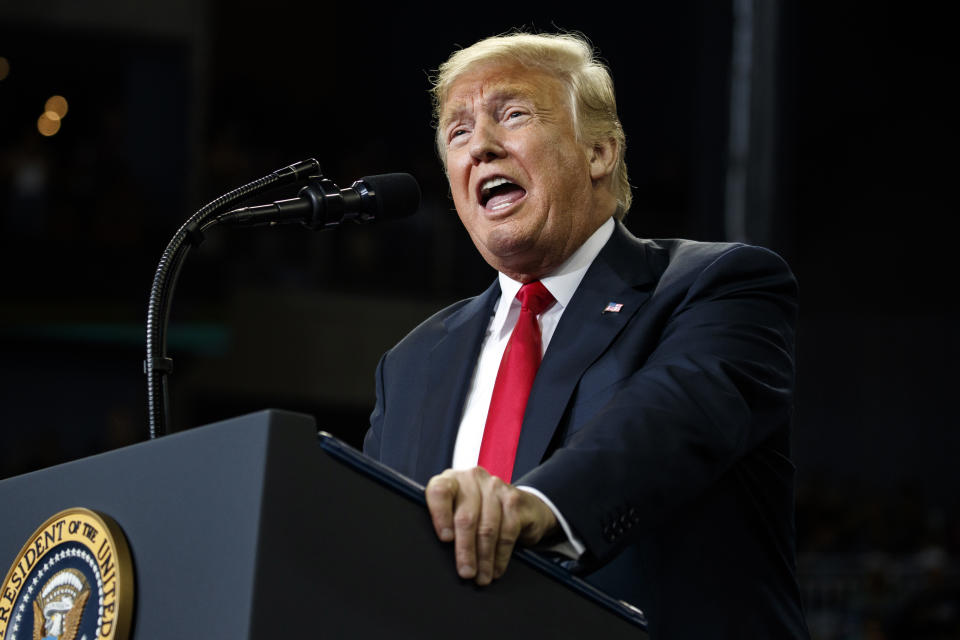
<point x="485" y="517"/>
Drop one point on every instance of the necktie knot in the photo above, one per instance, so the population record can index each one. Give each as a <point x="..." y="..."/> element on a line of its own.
<point x="534" y="297"/>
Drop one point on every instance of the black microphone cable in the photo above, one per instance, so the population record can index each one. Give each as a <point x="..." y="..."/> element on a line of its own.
<point x="320" y="205"/>
<point x="157" y="364"/>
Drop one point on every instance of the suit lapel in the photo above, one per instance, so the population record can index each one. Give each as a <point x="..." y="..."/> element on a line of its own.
<point x="452" y="362"/>
<point x="585" y="331"/>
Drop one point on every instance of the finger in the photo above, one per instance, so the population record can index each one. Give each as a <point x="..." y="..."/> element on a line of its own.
<point x="441" y="494"/>
<point x="466" y="515"/>
<point x="512" y="522"/>
<point x="488" y="530"/>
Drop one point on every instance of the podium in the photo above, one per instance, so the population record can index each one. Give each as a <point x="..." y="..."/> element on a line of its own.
<point x="246" y="528"/>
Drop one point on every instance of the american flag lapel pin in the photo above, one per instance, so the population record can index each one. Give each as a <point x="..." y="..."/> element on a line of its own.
<point x="613" y="307"/>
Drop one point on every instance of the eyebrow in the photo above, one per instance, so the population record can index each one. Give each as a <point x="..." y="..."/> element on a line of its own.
<point x="497" y="93"/>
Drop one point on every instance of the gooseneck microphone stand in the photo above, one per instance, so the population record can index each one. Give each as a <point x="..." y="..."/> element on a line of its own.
<point x="157" y="365"/>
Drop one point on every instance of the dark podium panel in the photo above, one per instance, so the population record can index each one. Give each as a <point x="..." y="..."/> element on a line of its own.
<point x="247" y="529"/>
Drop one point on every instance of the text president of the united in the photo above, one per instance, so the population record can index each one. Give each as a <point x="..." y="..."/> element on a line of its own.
<point x="654" y="438"/>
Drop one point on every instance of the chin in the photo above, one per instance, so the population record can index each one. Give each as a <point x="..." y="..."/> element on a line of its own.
<point x="506" y="245"/>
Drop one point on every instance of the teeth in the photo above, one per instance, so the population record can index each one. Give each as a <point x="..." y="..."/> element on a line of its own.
<point x="490" y="184"/>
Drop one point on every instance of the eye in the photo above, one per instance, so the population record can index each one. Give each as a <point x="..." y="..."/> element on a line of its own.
<point x="515" y="116"/>
<point x="457" y="132"/>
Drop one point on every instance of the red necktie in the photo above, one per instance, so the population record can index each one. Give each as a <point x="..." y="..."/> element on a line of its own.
<point x="519" y="365"/>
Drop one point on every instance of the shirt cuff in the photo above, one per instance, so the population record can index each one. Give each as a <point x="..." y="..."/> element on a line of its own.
<point x="571" y="547"/>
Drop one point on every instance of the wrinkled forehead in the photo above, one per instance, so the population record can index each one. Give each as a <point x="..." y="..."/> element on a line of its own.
<point x="492" y="83"/>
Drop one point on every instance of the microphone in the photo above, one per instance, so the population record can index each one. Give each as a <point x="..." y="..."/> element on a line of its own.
<point x="323" y="205"/>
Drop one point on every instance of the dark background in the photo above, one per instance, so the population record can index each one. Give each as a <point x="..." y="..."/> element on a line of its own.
<point x="826" y="132"/>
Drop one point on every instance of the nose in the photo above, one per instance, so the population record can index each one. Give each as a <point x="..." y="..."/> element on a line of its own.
<point x="485" y="143"/>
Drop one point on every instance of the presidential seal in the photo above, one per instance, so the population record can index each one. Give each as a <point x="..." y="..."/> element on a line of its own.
<point x="73" y="580"/>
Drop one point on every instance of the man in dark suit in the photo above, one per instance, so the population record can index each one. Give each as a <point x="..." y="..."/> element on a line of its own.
<point x="651" y="443"/>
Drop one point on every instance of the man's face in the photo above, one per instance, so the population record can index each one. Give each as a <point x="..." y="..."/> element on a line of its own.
<point x="525" y="189"/>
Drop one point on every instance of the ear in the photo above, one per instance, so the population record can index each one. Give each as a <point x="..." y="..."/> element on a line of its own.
<point x="603" y="157"/>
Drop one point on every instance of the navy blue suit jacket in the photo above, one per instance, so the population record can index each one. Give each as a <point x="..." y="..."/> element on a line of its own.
<point x="661" y="431"/>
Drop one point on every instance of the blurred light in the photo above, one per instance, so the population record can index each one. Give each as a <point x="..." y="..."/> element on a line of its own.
<point x="4" y="68"/>
<point x="57" y="104"/>
<point x="48" y="124"/>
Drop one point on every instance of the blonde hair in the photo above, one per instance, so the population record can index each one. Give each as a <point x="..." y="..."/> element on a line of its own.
<point x="571" y="59"/>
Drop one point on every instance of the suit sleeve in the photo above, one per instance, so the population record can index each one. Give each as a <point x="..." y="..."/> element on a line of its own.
<point x="371" y="442"/>
<point x="717" y="386"/>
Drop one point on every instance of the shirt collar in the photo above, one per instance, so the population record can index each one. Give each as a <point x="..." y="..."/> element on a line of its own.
<point x="563" y="282"/>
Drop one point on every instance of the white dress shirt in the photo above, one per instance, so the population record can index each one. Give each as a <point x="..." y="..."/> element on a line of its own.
<point x="561" y="284"/>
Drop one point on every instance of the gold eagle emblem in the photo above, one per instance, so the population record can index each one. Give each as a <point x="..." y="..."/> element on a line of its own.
<point x="58" y="608"/>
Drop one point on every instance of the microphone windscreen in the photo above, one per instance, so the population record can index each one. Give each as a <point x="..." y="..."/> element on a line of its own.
<point x="397" y="195"/>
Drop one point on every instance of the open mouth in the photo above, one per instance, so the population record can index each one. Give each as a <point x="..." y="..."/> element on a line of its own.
<point x="499" y="193"/>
